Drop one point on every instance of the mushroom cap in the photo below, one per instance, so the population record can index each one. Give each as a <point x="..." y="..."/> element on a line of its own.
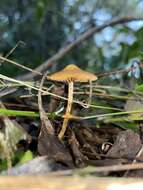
<point x="73" y="73"/>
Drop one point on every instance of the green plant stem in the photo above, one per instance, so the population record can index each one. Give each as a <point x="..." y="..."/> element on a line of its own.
<point x="9" y="112"/>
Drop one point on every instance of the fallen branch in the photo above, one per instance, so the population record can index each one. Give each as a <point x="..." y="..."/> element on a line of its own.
<point x="66" y="183"/>
<point x="63" y="51"/>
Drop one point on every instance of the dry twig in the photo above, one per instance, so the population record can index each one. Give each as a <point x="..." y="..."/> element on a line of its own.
<point x="63" y="51"/>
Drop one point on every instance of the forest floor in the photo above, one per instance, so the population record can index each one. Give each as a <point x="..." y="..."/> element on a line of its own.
<point x="104" y="139"/>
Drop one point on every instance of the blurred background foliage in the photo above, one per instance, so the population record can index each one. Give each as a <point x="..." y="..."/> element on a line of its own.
<point x="44" y="26"/>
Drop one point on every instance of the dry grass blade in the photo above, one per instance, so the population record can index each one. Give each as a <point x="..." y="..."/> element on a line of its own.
<point x="13" y="49"/>
<point x="89" y="170"/>
<point x="46" y="124"/>
<point x="52" y="94"/>
<point x="139" y="154"/>
<point x="135" y="166"/>
<point x="21" y="66"/>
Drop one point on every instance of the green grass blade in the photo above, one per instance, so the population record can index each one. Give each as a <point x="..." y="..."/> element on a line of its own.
<point x="9" y="112"/>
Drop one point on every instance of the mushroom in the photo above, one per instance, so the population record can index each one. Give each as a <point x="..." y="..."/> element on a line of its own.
<point x="71" y="74"/>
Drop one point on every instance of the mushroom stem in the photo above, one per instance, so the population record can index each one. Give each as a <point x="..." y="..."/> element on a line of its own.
<point x="68" y="110"/>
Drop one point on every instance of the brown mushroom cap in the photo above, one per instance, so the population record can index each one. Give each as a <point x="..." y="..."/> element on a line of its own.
<point x="73" y="73"/>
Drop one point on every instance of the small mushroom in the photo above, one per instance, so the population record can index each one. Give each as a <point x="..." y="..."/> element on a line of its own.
<point x="71" y="74"/>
